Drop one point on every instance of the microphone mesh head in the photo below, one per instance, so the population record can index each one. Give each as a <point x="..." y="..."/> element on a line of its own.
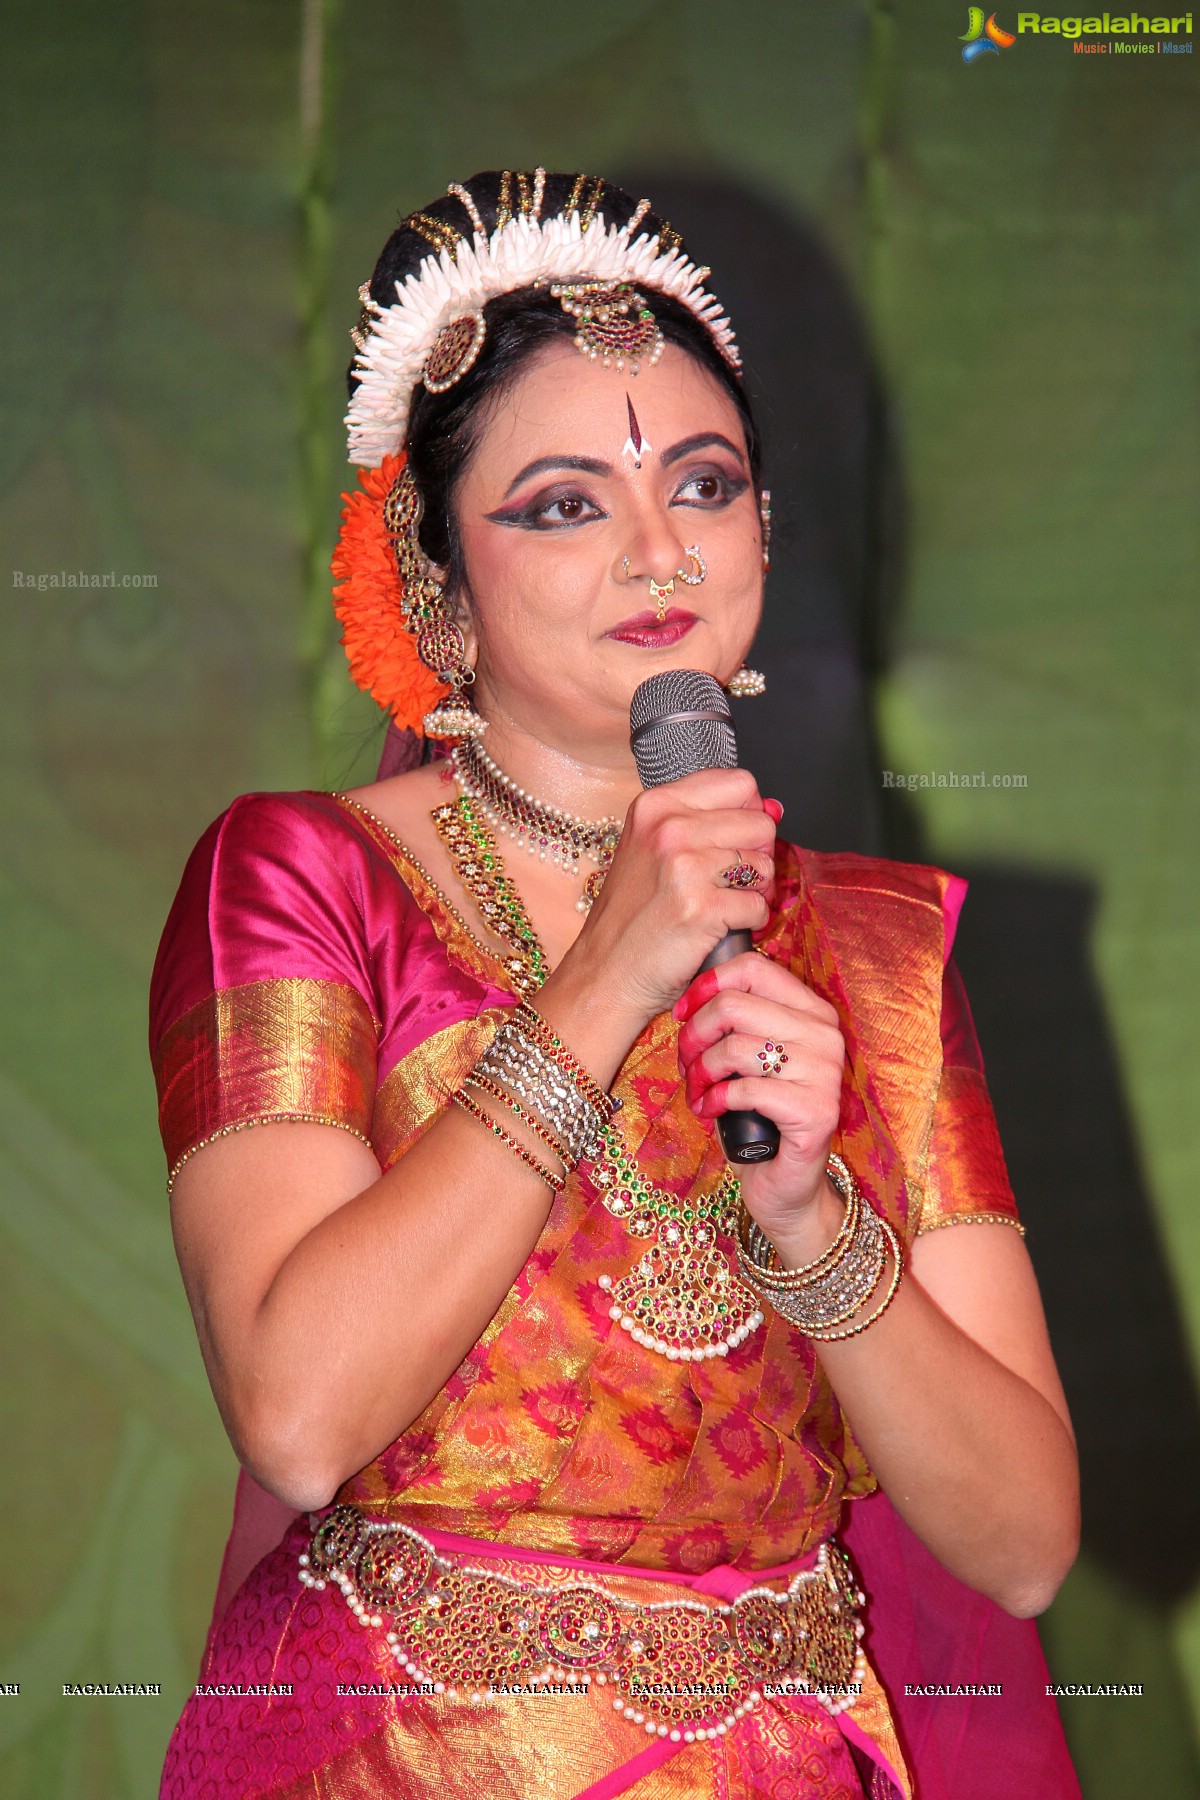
<point x="667" y="747"/>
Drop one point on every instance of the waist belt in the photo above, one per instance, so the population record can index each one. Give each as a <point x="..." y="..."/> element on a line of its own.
<point x="684" y="1669"/>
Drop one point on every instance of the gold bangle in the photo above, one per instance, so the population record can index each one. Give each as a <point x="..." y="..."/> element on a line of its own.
<point x="761" y="1256"/>
<point x="845" y="1288"/>
<point x="556" y="1182"/>
<point x="781" y="1279"/>
<point x="831" y="1337"/>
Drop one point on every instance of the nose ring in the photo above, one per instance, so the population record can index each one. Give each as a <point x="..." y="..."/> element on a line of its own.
<point x="692" y="574"/>
<point x="661" y="593"/>
<point x="699" y="567"/>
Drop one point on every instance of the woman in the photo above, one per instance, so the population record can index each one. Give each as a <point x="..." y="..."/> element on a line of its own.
<point x="546" y="1424"/>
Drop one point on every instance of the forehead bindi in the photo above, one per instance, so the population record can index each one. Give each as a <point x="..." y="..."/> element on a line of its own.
<point x="564" y="405"/>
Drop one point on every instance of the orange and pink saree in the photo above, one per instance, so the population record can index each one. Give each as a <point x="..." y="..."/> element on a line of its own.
<point x="310" y="970"/>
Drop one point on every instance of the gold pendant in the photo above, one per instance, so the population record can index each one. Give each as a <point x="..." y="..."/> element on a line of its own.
<point x="682" y="1299"/>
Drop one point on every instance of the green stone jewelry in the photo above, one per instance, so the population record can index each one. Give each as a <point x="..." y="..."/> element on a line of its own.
<point x="682" y="1299"/>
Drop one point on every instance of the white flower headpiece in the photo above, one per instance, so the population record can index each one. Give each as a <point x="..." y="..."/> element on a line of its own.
<point x="455" y="281"/>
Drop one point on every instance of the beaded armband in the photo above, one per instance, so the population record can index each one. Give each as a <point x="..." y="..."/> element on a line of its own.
<point x="463" y="1099"/>
<point x="604" y="1104"/>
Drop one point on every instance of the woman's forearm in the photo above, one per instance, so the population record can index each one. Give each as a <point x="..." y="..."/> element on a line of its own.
<point x="977" y="1461"/>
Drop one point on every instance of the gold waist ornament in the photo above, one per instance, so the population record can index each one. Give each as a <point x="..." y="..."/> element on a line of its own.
<point x="684" y="1669"/>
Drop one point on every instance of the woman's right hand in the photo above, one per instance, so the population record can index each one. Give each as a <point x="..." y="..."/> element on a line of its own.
<point x="664" y="906"/>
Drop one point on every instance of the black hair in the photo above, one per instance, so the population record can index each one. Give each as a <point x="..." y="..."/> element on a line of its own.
<point x="443" y="429"/>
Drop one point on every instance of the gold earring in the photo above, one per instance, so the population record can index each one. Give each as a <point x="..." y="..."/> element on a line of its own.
<point x="441" y="645"/>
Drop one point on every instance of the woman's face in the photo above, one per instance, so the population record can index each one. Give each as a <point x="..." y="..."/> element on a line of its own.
<point x="578" y="468"/>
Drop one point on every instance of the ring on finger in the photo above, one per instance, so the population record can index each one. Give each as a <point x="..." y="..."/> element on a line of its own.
<point x="741" y="874"/>
<point x="772" y="1056"/>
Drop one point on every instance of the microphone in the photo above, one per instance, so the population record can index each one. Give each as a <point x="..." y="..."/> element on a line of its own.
<point x="679" y="723"/>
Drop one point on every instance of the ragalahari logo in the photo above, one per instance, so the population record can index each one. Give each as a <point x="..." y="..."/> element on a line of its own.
<point x="984" y="39"/>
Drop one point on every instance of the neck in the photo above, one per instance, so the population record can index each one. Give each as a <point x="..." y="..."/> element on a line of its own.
<point x="591" y="782"/>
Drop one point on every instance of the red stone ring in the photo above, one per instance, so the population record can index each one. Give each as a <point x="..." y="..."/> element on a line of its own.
<point x="772" y="1057"/>
<point x="741" y="875"/>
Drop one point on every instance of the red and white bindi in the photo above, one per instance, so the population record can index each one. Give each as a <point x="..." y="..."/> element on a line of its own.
<point x="635" y="443"/>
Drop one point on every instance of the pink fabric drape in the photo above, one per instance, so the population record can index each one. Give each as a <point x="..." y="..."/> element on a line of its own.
<point x="927" y="1629"/>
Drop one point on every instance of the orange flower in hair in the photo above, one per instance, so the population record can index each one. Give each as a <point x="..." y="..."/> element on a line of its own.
<point x="368" y="597"/>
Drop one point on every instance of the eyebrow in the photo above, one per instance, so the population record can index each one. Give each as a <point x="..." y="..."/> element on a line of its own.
<point x="591" y="465"/>
<point x="701" y="441"/>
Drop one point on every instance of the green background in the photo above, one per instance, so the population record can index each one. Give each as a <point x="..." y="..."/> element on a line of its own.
<point x="194" y="193"/>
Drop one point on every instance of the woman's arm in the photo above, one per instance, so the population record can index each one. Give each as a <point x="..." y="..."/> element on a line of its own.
<point x="956" y="1401"/>
<point x="332" y="1302"/>
<point x="953" y="1393"/>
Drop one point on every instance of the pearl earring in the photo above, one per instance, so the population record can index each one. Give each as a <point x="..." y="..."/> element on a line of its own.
<point x="746" y="684"/>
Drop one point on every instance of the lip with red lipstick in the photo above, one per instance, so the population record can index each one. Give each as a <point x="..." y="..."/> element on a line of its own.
<point x="649" y="632"/>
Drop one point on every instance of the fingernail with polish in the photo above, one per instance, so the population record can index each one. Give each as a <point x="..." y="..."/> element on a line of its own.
<point x="703" y="988"/>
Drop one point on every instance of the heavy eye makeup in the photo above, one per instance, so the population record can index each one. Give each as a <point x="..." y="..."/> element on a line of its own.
<point x="554" y="509"/>
<point x="711" y="487"/>
<point x="561" y="508"/>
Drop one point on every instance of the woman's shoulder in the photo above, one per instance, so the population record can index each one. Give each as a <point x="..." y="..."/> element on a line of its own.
<point x="290" y="836"/>
<point x="279" y="885"/>
<point x="270" y="819"/>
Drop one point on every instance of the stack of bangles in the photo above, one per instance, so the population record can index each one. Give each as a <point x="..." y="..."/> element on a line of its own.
<point x="822" y="1295"/>
<point x="529" y="1071"/>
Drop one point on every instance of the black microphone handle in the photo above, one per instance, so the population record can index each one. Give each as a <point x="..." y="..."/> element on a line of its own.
<point x="746" y="1137"/>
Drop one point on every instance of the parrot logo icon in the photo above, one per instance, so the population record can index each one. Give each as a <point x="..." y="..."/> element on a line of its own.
<point x="984" y="39"/>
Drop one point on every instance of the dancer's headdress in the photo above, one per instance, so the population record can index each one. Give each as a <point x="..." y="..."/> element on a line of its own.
<point x="396" y="632"/>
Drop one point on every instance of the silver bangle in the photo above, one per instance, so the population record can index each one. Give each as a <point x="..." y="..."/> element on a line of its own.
<point x="519" y="1063"/>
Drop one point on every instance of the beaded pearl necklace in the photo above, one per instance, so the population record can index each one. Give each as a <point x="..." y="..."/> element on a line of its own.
<point x="545" y="831"/>
<point x="682" y="1300"/>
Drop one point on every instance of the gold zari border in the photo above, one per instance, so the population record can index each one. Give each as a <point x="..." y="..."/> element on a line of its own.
<point x="298" y="1048"/>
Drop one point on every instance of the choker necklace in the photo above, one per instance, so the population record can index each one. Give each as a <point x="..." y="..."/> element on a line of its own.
<point x="681" y="1300"/>
<point x="554" y="836"/>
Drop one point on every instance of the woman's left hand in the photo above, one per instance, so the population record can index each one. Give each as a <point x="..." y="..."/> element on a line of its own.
<point x="754" y="1037"/>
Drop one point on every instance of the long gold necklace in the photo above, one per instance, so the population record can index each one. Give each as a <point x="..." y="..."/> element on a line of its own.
<point x="683" y="1299"/>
